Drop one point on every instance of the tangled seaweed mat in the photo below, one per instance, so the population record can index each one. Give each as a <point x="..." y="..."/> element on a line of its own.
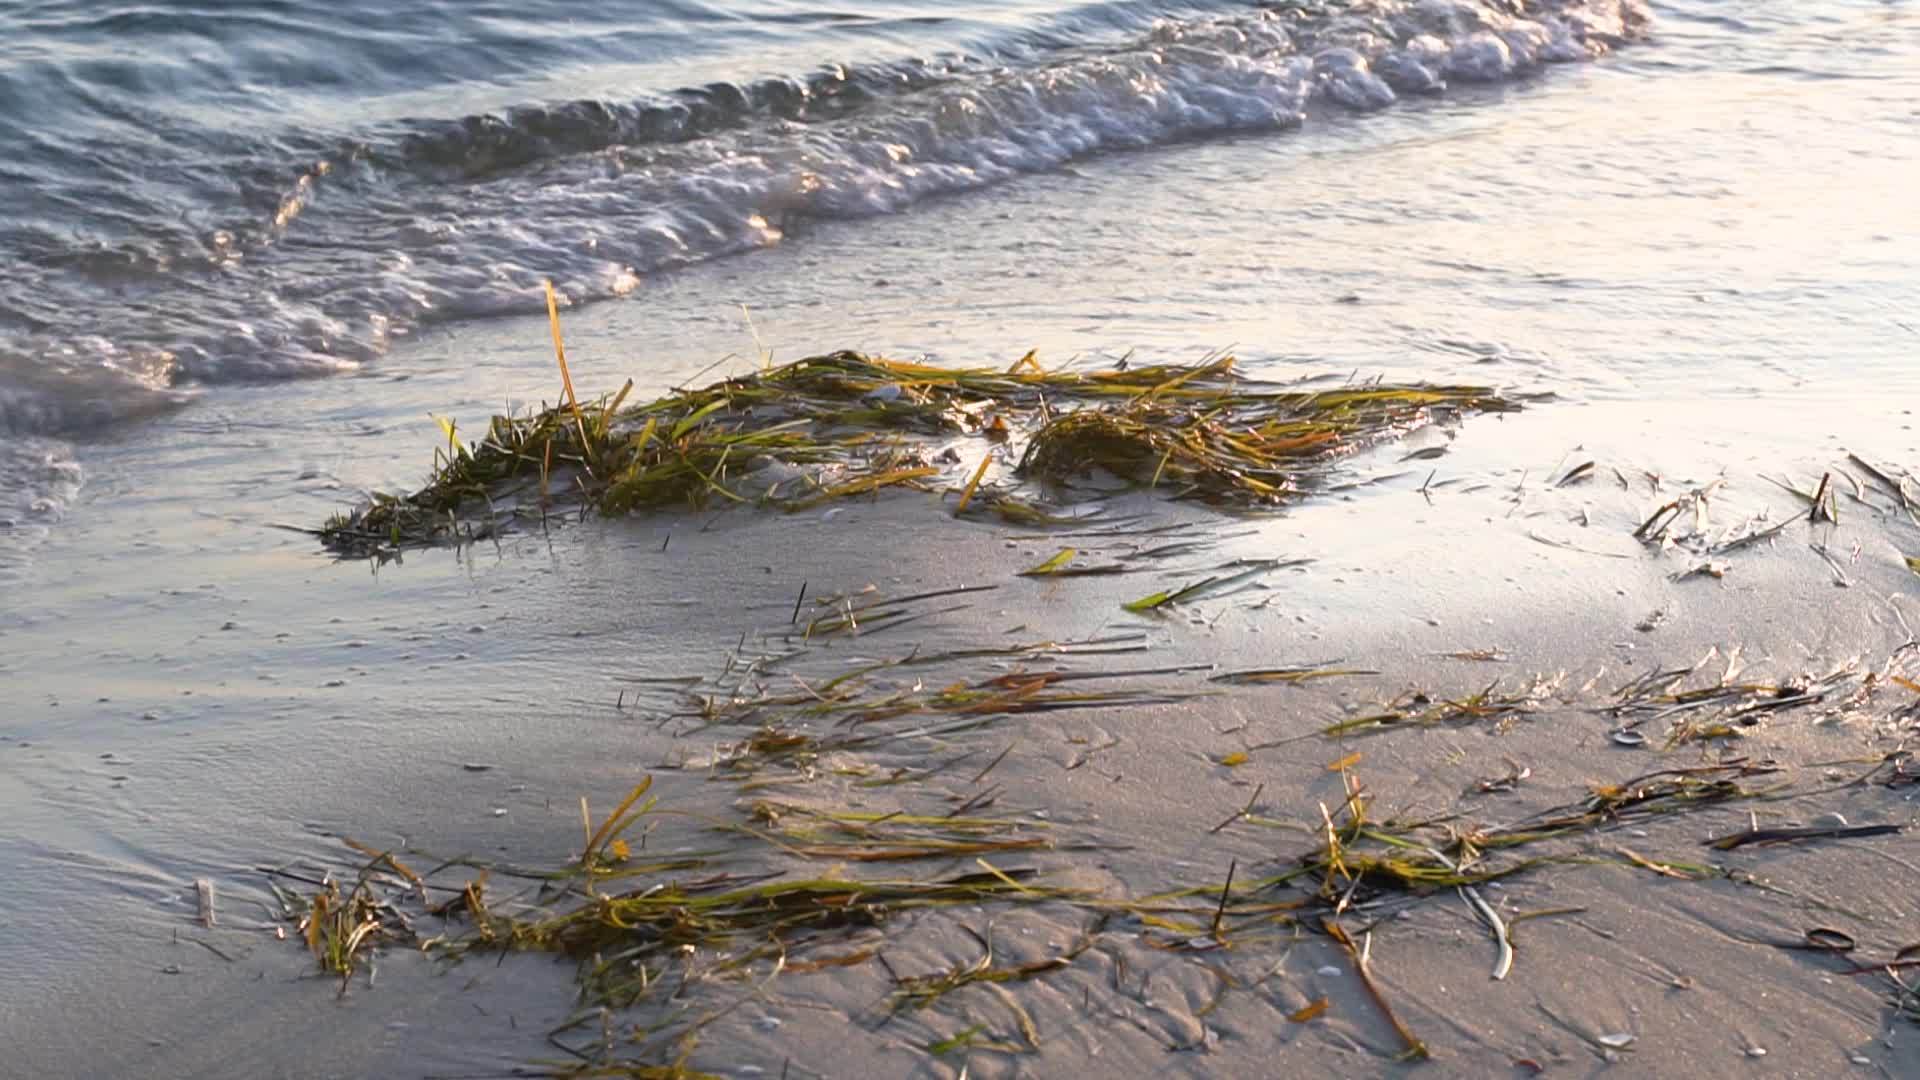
<point x="845" y="424"/>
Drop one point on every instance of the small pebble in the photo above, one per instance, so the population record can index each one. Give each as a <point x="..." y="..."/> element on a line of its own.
<point x="1756" y="1051"/>
<point x="1329" y="971"/>
<point x="499" y="811"/>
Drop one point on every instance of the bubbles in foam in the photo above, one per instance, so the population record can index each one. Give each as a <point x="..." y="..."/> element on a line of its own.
<point x="38" y="479"/>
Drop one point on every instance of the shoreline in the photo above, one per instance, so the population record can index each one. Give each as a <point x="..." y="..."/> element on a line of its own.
<point x="198" y="696"/>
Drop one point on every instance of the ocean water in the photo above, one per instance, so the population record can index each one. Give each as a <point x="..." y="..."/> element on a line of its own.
<point x="263" y="192"/>
<point x="197" y="197"/>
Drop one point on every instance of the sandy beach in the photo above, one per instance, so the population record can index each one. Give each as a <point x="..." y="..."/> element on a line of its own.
<point x="1623" y="682"/>
<point x="477" y="696"/>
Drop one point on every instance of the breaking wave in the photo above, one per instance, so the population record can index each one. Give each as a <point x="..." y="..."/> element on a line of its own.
<point x="259" y="269"/>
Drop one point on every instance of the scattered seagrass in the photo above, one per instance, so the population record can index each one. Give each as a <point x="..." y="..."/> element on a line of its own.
<point x="1419" y="709"/>
<point x="640" y="930"/>
<point x="862" y="835"/>
<point x="846" y="424"/>
<point x="1728" y="707"/>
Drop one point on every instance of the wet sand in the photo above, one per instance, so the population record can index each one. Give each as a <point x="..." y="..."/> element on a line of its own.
<point x="324" y="701"/>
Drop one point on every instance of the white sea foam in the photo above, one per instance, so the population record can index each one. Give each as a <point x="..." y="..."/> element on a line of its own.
<point x="462" y="219"/>
<point x="38" y="479"/>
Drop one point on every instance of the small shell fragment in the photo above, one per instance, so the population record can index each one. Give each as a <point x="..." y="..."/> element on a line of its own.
<point x="203" y="889"/>
<point x="1615" y="1041"/>
<point x="1629" y="738"/>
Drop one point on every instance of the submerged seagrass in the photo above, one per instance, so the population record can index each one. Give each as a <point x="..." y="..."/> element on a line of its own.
<point x="848" y="424"/>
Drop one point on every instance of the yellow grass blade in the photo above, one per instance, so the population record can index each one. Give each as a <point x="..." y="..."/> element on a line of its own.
<point x="1052" y="565"/>
<point x="607" y="827"/>
<point x="453" y="439"/>
<point x="973" y="485"/>
<point x="560" y="354"/>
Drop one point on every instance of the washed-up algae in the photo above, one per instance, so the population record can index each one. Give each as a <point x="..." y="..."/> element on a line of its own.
<point x="816" y="881"/>
<point x="783" y="895"/>
<point x="846" y="424"/>
<point x="642" y="930"/>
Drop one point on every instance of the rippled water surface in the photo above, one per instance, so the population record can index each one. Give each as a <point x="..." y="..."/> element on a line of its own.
<point x="197" y="196"/>
<point x="264" y="191"/>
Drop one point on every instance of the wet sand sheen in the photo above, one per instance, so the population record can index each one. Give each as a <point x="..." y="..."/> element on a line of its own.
<point x="1133" y="797"/>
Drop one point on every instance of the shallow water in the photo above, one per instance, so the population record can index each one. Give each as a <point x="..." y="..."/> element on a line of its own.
<point x="190" y="208"/>
<point x="240" y="216"/>
<point x="1703" y="243"/>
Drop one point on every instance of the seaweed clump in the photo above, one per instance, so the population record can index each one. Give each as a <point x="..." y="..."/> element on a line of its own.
<point x="846" y="424"/>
